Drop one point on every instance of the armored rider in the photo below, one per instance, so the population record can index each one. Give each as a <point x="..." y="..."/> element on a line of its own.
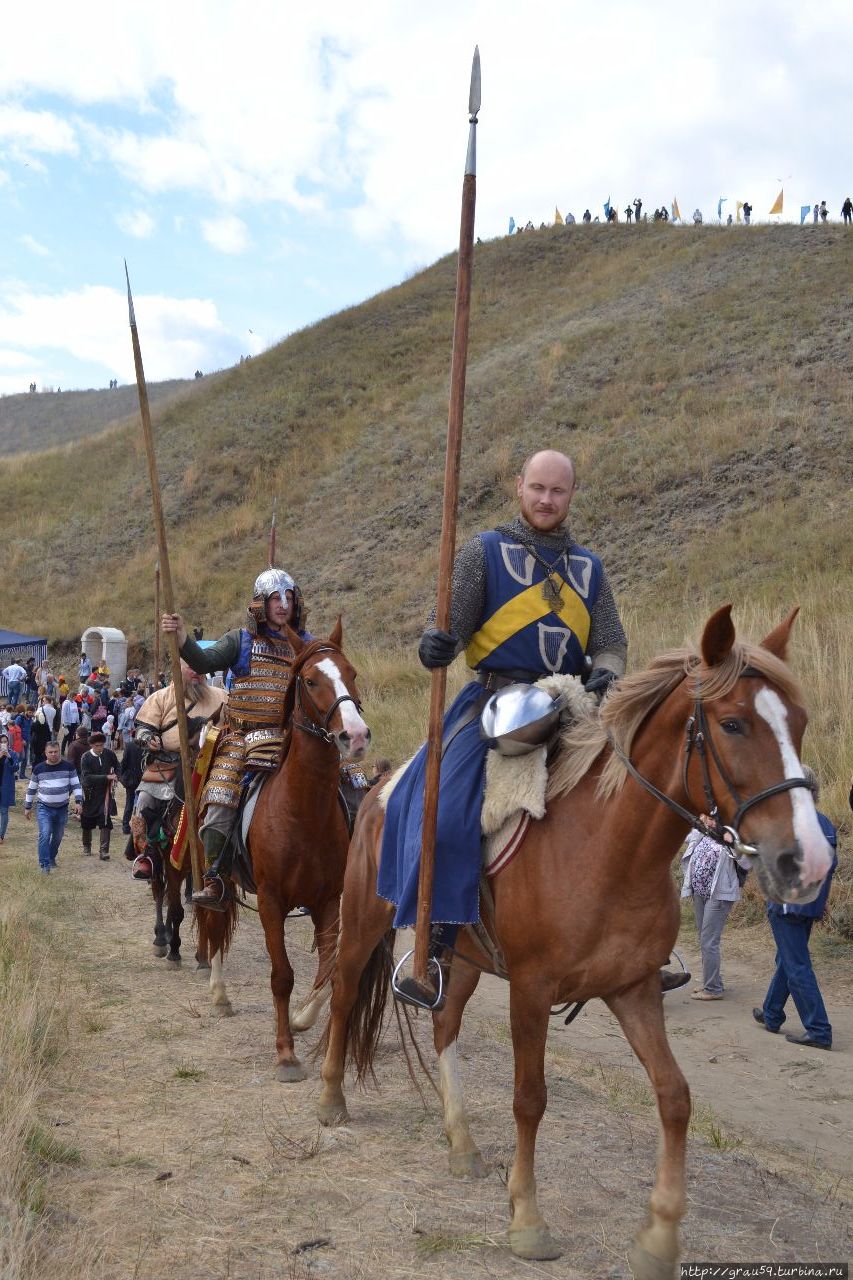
<point x="156" y="727"/>
<point x="259" y="658"/>
<point x="527" y="601"/>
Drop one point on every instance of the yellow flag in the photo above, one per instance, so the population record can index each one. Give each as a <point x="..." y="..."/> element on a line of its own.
<point x="739" y="207"/>
<point x="777" y="205"/>
<point x="558" y="218"/>
<point x="676" y="212"/>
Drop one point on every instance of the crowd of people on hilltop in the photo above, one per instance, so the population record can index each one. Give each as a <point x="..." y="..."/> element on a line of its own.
<point x="634" y="215"/>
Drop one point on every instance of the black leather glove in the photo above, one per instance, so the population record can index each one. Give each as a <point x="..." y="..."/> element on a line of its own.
<point x="600" y="680"/>
<point x="437" y="648"/>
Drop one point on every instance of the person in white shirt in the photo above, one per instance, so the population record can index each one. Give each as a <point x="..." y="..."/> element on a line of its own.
<point x="15" y="676"/>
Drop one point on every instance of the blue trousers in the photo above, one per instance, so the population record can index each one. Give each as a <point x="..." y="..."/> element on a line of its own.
<point x="795" y="977"/>
<point x="51" y="820"/>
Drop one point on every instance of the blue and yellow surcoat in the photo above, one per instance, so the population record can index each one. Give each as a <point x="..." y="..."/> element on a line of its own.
<point x="521" y="631"/>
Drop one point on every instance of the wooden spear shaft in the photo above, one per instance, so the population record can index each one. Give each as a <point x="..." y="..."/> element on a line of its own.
<point x="168" y="594"/>
<point x="157" y="613"/>
<point x="447" y="551"/>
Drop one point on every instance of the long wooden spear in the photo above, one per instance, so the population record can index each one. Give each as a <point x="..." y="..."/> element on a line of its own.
<point x="168" y="594"/>
<point x="157" y="613"/>
<point x="458" y="365"/>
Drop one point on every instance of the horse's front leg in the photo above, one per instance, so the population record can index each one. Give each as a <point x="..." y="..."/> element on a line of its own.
<point x="530" y="1005"/>
<point x="289" y="1068"/>
<point x="174" y="920"/>
<point x="464" y="1156"/>
<point x="654" y="1254"/>
<point x="326" y="925"/>
<point x="160" y="945"/>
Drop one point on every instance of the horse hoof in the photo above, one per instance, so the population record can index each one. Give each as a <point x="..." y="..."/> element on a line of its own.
<point x="534" y="1243"/>
<point x="332" y="1113"/>
<point x="290" y="1072"/>
<point x="202" y="966"/>
<point x="160" y="951"/>
<point x="467" y="1164"/>
<point x="223" y="1010"/>
<point x="175" y="960"/>
<point x="645" y="1266"/>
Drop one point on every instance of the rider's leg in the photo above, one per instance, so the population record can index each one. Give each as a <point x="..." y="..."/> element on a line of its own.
<point x="215" y="830"/>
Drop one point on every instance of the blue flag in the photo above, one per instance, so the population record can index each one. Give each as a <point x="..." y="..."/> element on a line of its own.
<point x="511" y="226"/>
<point x="607" y="207"/>
<point x="805" y="210"/>
<point x="722" y="200"/>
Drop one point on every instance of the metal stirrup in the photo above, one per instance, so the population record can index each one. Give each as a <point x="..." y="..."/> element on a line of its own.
<point x="407" y="995"/>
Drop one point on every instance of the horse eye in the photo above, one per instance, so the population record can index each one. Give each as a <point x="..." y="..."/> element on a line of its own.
<point x="312" y="684"/>
<point x="731" y="726"/>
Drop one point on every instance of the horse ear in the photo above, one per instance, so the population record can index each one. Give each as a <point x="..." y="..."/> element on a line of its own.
<point x="718" y="637"/>
<point x="295" y="640"/>
<point x="337" y="633"/>
<point x="777" y="640"/>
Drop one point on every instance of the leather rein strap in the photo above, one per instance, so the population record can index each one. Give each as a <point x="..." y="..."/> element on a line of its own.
<point x="307" y="724"/>
<point x="698" y="736"/>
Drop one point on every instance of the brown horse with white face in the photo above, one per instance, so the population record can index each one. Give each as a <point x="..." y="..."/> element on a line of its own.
<point x="299" y="835"/>
<point x="588" y="907"/>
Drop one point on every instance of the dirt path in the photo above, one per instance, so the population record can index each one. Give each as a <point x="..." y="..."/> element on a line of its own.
<point x="196" y="1162"/>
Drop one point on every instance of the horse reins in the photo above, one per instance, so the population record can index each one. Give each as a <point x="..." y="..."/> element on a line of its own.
<point x="698" y="736"/>
<point x="307" y="725"/>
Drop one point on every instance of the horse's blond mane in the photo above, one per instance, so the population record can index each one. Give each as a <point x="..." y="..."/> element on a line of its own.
<point x="625" y="709"/>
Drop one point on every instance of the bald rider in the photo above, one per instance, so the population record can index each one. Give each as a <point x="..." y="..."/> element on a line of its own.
<point x="527" y="601"/>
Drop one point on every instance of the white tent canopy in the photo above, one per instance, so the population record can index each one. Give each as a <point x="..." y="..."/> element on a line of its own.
<point x="106" y="644"/>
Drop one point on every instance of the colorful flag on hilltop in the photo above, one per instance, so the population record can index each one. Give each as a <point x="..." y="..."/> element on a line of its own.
<point x="558" y="218"/>
<point x="607" y="207"/>
<point x="722" y="200"/>
<point x="777" y="203"/>
<point x="511" y="226"/>
<point x="676" y="212"/>
<point x="739" y="207"/>
<point x="805" y="210"/>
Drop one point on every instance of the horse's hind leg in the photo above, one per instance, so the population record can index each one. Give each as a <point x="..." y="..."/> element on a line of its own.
<point x="175" y="919"/>
<point x="160" y="942"/>
<point x="654" y="1254"/>
<point x="529" y="1003"/>
<point x="464" y="1157"/>
<point x="326" y="926"/>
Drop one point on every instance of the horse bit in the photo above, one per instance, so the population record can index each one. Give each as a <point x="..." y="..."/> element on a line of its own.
<point x="698" y="736"/>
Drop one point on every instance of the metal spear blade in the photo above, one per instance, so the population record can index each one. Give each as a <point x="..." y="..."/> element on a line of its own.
<point x="474" y="94"/>
<point x="129" y="295"/>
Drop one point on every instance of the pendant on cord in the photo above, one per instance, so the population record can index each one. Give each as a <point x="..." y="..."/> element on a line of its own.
<point x="552" y="594"/>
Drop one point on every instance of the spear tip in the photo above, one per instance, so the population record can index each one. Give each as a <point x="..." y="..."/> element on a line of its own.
<point x="474" y="93"/>
<point x="129" y="296"/>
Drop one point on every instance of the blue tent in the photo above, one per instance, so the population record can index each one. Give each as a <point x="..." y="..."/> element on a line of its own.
<point x="17" y="648"/>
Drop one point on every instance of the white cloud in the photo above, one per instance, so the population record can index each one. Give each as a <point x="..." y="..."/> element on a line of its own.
<point x="90" y="324"/>
<point x="14" y="359"/>
<point x="34" y="246"/>
<point x="138" y="223"/>
<point x="29" y="131"/>
<point x="228" y="234"/>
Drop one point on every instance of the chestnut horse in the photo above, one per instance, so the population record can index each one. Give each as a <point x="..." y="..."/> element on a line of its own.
<point x="588" y="907"/>
<point x="299" y="836"/>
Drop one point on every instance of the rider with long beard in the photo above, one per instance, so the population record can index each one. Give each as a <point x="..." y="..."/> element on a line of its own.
<point x="260" y="659"/>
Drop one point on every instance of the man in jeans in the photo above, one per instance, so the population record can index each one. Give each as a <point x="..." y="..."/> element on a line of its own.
<point x="15" y="677"/>
<point x="51" y="786"/>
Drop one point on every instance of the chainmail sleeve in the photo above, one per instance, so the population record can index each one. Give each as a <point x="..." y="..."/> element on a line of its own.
<point x="607" y="644"/>
<point x="468" y="592"/>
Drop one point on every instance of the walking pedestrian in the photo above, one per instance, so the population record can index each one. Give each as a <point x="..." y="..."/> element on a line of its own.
<point x="69" y="716"/>
<point x="847" y="211"/>
<point x="51" y="786"/>
<point x="8" y="774"/>
<point x="15" y="676"/>
<point x="711" y="878"/>
<point x="98" y="772"/>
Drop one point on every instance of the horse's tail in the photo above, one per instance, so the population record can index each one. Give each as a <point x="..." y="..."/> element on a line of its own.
<point x="215" y="930"/>
<point x="366" y="1018"/>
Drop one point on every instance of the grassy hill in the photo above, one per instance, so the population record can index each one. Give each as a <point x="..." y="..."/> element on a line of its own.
<point x="31" y="423"/>
<point x="702" y="378"/>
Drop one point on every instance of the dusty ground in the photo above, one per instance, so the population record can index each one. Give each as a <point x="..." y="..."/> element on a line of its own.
<point x="196" y="1162"/>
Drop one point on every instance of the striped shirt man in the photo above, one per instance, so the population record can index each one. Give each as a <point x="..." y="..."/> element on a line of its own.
<point x="52" y="785"/>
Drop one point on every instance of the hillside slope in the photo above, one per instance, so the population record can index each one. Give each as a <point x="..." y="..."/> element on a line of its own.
<point x="32" y="423"/>
<point x="702" y="378"/>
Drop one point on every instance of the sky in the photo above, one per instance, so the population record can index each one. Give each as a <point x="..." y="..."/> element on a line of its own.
<point x="263" y="165"/>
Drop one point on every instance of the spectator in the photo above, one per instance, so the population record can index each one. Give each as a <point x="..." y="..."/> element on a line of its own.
<point x="791" y="923"/>
<point x="847" y="211"/>
<point x="32" y="683"/>
<point x="25" y="724"/>
<point x="49" y="710"/>
<point x="40" y="736"/>
<point x="130" y="776"/>
<point x="15" y="676"/>
<point x="638" y="204"/>
<point x="8" y="775"/>
<point x="98" y="772"/>
<point x="78" y="747"/>
<point x="697" y="217"/>
<point x="824" y="212"/>
<point x="587" y="216"/>
<point x="5" y="715"/>
<point x="127" y="715"/>
<point x="69" y="718"/>
<point x="85" y="668"/>
<point x="747" y="211"/>
<point x="16" y="739"/>
<point x="816" y="213"/>
<point x="51" y="787"/>
<point x="62" y="688"/>
<point x="712" y="880"/>
<point x="729" y="220"/>
<point x="629" y="213"/>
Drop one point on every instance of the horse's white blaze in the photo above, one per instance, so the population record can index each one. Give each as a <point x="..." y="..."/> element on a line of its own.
<point x="816" y="854"/>
<point x="455" y="1116"/>
<point x="352" y="721"/>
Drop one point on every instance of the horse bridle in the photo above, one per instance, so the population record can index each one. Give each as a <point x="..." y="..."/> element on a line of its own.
<point x="312" y="727"/>
<point x="698" y="736"/>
